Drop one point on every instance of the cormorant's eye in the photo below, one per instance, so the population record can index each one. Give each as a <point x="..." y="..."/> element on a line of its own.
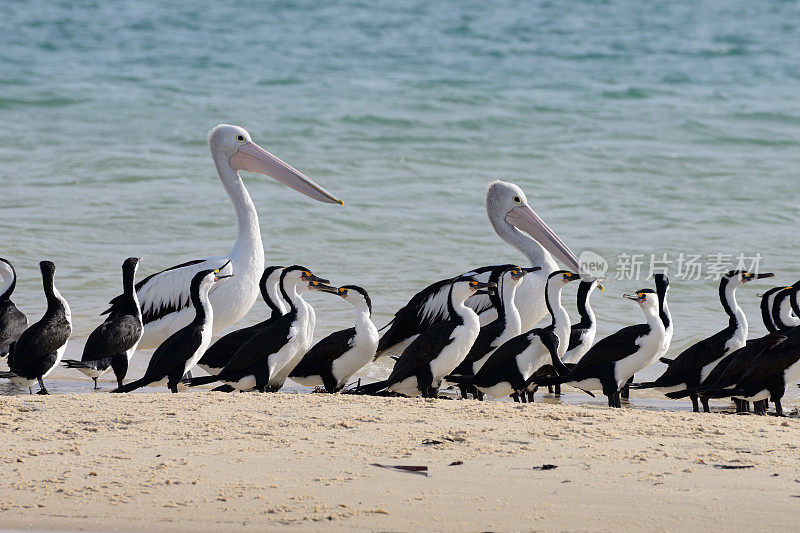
<point x="240" y="138"/>
<point x="473" y="283"/>
<point x="216" y="271"/>
<point x="517" y="200"/>
<point x="306" y="274"/>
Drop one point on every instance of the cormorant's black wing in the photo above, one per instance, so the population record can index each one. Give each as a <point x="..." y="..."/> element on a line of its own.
<point x="222" y="351"/>
<point x="509" y="350"/>
<point x="41" y="339"/>
<point x="613" y="348"/>
<point x="482" y="346"/>
<point x="263" y="344"/>
<point x="769" y="363"/>
<point x="12" y="323"/>
<point x="174" y="351"/>
<point x="115" y="335"/>
<point x="325" y="352"/>
<point x="575" y="337"/>
<point x="428" y="307"/>
<point x="730" y="369"/>
<point x="422" y="350"/>
<point x="696" y="356"/>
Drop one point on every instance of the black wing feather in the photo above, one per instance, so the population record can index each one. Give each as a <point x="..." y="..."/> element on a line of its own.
<point x="42" y="339"/>
<point x="423" y="350"/>
<point x="222" y="351"/>
<point x="12" y="323"/>
<point x="325" y="352"/>
<point x="115" y="335"/>
<point x="261" y="345"/>
<point x="174" y="351"/>
<point x="615" y="347"/>
<point x="482" y="346"/>
<point x="508" y="351"/>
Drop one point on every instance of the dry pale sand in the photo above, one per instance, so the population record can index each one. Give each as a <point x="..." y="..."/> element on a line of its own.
<point x="199" y="461"/>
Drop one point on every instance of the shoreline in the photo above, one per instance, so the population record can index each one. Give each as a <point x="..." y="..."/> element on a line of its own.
<point x="205" y="460"/>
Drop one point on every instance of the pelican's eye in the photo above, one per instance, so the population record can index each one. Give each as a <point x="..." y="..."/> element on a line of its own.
<point x="240" y="138"/>
<point x="518" y="200"/>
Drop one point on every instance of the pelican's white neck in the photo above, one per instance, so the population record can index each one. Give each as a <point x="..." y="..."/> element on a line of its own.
<point x="248" y="231"/>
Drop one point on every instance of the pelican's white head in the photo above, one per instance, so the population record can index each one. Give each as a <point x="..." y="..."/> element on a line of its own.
<point x="233" y="145"/>
<point x="508" y="209"/>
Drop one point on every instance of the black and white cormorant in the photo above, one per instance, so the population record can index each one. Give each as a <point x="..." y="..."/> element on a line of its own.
<point x="257" y="363"/>
<point x="731" y="367"/>
<point x="692" y="365"/>
<point x="180" y="352"/>
<point x="516" y="223"/>
<point x="12" y="321"/>
<point x="761" y="370"/>
<point x="610" y="363"/>
<point x="581" y="335"/>
<point x="506" y="326"/>
<point x="662" y="288"/>
<point x="220" y="353"/>
<point x="334" y="359"/>
<point x="510" y="368"/>
<point x="438" y="350"/>
<point x="112" y="344"/>
<point x="40" y="347"/>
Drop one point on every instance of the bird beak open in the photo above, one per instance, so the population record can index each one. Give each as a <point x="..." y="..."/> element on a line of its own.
<point x="525" y="219"/>
<point x="250" y="157"/>
<point x="217" y="278"/>
<point x="634" y="297"/>
<point x="318" y="286"/>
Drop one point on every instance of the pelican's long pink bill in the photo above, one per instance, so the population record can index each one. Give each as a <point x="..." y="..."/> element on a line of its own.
<point x="525" y="219"/>
<point x="252" y="158"/>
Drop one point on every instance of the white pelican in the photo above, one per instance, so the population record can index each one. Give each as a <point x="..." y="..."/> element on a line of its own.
<point x="164" y="296"/>
<point x="510" y="215"/>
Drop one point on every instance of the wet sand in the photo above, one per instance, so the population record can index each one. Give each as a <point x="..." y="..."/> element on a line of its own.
<point x="201" y="461"/>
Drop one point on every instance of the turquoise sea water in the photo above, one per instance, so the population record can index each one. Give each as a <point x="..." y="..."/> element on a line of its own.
<point x="634" y="128"/>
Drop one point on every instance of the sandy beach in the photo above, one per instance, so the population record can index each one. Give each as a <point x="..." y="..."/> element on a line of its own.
<point x="201" y="461"/>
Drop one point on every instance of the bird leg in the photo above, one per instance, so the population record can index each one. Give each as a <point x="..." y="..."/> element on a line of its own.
<point x="95" y="384"/>
<point x="706" y="408"/>
<point x="42" y="388"/>
<point x="695" y="405"/>
<point x="759" y="408"/>
<point x="558" y="389"/>
<point x="515" y="397"/>
<point x="626" y="390"/>
<point x="778" y="408"/>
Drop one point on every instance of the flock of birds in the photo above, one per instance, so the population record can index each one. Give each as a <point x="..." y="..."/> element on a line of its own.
<point x="477" y="331"/>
